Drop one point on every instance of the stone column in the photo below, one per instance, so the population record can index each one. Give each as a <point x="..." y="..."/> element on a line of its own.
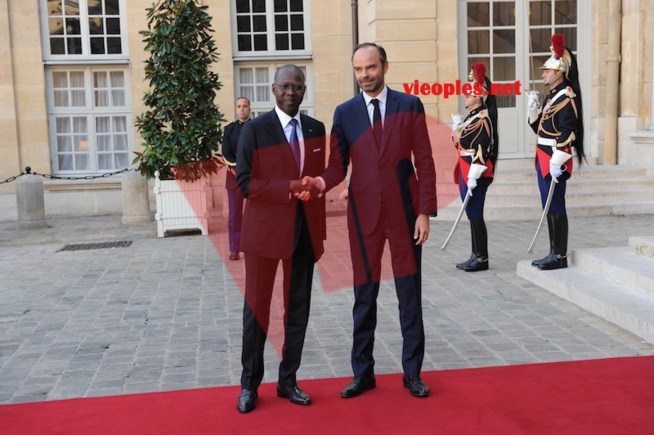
<point x="136" y="202"/>
<point x="30" y="201"/>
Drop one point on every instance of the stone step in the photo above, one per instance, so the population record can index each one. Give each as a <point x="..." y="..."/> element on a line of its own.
<point x="620" y="265"/>
<point x="646" y="185"/>
<point x="573" y="197"/>
<point x="642" y="246"/>
<point x="528" y="174"/>
<point x="631" y="309"/>
<point x="594" y="190"/>
<point x="533" y="212"/>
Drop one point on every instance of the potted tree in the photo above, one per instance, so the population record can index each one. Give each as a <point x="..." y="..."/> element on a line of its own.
<point x="181" y="128"/>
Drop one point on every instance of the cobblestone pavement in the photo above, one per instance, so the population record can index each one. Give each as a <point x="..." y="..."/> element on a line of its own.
<point x="165" y="313"/>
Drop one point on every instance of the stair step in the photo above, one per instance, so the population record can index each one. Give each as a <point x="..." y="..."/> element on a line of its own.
<point x="630" y="309"/>
<point x="642" y="246"/>
<point x="620" y="265"/>
<point x="594" y="190"/>
<point x="533" y="212"/>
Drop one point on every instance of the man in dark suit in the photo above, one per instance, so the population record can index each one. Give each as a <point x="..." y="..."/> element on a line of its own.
<point x="234" y="197"/>
<point x="391" y="194"/>
<point x="274" y="151"/>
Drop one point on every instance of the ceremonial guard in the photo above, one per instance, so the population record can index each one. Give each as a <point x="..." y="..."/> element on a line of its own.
<point x="234" y="195"/>
<point x="559" y="127"/>
<point x="476" y="141"/>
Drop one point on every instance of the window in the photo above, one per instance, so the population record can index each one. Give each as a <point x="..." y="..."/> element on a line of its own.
<point x="492" y="40"/>
<point x="545" y="19"/>
<point x="89" y="106"/>
<point x="83" y="29"/>
<point x="254" y="82"/>
<point x="267" y="27"/>
<point x="90" y="119"/>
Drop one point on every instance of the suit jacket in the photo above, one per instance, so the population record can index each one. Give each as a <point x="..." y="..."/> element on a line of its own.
<point x="229" y="151"/>
<point x="265" y="166"/>
<point x="384" y="176"/>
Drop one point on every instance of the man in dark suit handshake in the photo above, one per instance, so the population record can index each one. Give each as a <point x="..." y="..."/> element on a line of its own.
<point x="275" y="150"/>
<point x="392" y="193"/>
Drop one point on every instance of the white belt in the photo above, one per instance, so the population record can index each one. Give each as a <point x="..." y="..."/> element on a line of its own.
<point x="547" y="142"/>
<point x="466" y="153"/>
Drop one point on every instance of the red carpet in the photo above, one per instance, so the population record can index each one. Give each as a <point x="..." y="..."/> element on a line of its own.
<point x="610" y="396"/>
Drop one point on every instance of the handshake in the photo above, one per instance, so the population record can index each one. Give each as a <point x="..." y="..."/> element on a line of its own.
<point x="306" y="188"/>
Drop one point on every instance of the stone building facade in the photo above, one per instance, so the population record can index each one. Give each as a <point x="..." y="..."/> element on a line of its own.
<point x="71" y="74"/>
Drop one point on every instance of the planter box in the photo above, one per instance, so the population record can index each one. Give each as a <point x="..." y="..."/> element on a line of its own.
<point x="181" y="205"/>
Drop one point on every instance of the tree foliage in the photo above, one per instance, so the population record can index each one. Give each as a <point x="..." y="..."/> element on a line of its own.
<point x="181" y="127"/>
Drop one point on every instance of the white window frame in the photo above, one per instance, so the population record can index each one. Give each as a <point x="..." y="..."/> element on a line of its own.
<point x="516" y="138"/>
<point x="271" y="52"/>
<point x="259" y="107"/>
<point x="90" y="112"/>
<point x="86" y="56"/>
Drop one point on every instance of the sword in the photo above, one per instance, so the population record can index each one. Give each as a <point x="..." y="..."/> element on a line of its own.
<point x="458" y="218"/>
<point x="550" y="194"/>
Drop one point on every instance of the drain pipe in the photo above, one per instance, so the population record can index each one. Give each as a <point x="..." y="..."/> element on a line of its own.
<point x="612" y="84"/>
<point x="355" y="36"/>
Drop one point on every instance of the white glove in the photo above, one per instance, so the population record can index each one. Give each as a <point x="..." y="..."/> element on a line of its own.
<point x="533" y="100"/>
<point x="555" y="172"/>
<point x="533" y="106"/>
<point x="473" y="174"/>
<point x="457" y="122"/>
<point x="472" y="183"/>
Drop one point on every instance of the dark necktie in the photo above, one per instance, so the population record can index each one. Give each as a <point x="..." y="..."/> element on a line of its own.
<point x="295" y="143"/>
<point x="376" y="121"/>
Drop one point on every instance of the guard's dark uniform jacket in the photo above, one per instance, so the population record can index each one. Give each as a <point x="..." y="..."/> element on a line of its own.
<point x="475" y="145"/>
<point x="229" y="151"/>
<point x="556" y="127"/>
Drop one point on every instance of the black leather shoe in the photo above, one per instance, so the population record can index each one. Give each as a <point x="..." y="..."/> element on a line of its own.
<point x="358" y="385"/>
<point x="546" y="259"/>
<point x="246" y="400"/>
<point x="466" y="263"/>
<point x="294" y="394"/>
<point x="415" y="385"/>
<point x="558" y="262"/>
<point x="477" y="264"/>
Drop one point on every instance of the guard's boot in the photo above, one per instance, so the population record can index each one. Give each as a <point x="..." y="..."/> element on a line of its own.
<point x="550" y="256"/>
<point x="467" y="262"/>
<point x="480" y="244"/>
<point x="472" y="254"/>
<point x="560" y="233"/>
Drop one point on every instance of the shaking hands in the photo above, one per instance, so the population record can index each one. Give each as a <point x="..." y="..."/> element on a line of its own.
<point x="305" y="189"/>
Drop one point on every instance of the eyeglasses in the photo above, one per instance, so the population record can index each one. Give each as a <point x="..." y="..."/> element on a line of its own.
<point x="286" y="88"/>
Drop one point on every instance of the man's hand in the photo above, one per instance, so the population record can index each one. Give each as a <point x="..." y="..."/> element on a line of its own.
<point x="457" y="122"/>
<point x="457" y="125"/>
<point x="472" y="183"/>
<point x="421" y="233"/>
<point x="533" y="100"/>
<point x="305" y="189"/>
<point x="533" y="106"/>
<point x="555" y="172"/>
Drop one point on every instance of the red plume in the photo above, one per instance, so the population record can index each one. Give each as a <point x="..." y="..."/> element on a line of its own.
<point x="558" y="45"/>
<point x="479" y="70"/>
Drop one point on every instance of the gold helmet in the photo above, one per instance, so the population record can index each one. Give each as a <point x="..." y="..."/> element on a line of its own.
<point x="561" y="60"/>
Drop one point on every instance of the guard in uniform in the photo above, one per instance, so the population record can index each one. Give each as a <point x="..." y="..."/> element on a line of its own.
<point x="476" y="141"/>
<point x="559" y="129"/>
<point x="234" y="195"/>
